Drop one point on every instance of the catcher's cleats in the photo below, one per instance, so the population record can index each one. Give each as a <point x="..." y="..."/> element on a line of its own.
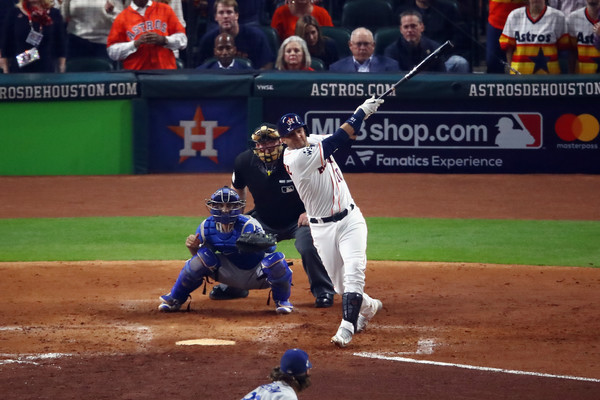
<point x="343" y="337"/>
<point x="365" y="316"/>
<point x="283" y="307"/>
<point x="169" y="304"/>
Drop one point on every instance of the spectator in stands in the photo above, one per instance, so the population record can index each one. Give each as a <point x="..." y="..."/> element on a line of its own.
<point x="5" y="7"/>
<point x="285" y="16"/>
<point x="224" y="51"/>
<point x="250" y="41"/>
<point x="542" y="34"/>
<point x="319" y="46"/>
<point x="251" y="12"/>
<point x="149" y="47"/>
<point x="88" y="24"/>
<point x="567" y="6"/>
<point x="412" y="46"/>
<point x="33" y="38"/>
<point x="442" y="22"/>
<point x="176" y="5"/>
<point x="293" y="55"/>
<point x="363" y="59"/>
<point x="584" y="56"/>
<point x="597" y="35"/>
<point x="498" y="11"/>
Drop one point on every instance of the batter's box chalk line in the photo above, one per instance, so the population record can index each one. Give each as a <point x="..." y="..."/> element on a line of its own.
<point x="30" y="359"/>
<point x="474" y="367"/>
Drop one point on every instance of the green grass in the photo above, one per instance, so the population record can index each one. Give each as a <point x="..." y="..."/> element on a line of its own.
<point x="567" y="243"/>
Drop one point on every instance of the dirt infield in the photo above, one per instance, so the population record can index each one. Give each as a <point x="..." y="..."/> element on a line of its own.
<point x="447" y="331"/>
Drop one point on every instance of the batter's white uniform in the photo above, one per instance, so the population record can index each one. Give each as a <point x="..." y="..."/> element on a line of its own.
<point x="580" y="25"/>
<point x="341" y="244"/>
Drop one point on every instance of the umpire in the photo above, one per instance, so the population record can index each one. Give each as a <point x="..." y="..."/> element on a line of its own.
<point x="277" y="205"/>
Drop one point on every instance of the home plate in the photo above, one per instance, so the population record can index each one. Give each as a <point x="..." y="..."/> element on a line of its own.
<point x="205" y="342"/>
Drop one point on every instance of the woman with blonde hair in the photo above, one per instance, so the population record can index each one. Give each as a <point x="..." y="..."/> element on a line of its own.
<point x="33" y="38"/>
<point x="293" y="55"/>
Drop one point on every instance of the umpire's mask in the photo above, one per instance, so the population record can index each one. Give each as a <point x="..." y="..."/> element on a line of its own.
<point x="267" y="144"/>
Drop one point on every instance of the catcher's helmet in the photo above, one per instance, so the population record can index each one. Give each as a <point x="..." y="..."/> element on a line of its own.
<point x="295" y="362"/>
<point x="225" y="205"/>
<point x="267" y="143"/>
<point x="288" y="123"/>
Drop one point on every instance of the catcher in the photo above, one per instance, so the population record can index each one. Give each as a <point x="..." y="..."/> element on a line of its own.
<point x="233" y="249"/>
<point x="278" y="209"/>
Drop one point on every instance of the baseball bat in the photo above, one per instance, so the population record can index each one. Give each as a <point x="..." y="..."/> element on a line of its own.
<point x="419" y="67"/>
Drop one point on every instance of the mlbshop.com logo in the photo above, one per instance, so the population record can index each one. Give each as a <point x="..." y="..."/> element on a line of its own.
<point x="571" y="127"/>
<point x="438" y="129"/>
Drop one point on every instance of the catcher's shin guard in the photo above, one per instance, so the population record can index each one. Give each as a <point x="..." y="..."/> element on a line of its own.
<point x="193" y="273"/>
<point x="279" y="275"/>
<point x="351" y="303"/>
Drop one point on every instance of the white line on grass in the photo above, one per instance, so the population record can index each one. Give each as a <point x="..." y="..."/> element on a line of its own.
<point x="488" y="369"/>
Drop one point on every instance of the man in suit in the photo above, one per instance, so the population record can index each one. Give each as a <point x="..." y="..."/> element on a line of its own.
<point x="363" y="59"/>
<point x="225" y="51"/>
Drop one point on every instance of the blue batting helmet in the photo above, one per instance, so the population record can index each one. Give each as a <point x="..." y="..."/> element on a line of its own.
<point x="295" y="362"/>
<point x="288" y="123"/>
<point x="225" y="205"/>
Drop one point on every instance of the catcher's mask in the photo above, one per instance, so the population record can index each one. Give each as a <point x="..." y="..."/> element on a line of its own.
<point x="288" y="123"/>
<point x="267" y="143"/>
<point x="225" y="205"/>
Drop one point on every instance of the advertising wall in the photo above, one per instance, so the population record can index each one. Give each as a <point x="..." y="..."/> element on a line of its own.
<point x="452" y="124"/>
<point x="196" y="122"/>
<point x="66" y="124"/>
<point x="193" y="121"/>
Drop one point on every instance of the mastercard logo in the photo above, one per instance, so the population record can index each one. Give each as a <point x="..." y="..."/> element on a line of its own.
<point x="584" y="127"/>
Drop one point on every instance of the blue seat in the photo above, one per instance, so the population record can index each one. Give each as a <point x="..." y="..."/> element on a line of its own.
<point x="341" y="36"/>
<point x="89" y="64"/>
<point x="384" y="37"/>
<point x="317" y="64"/>
<point x="371" y="14"/>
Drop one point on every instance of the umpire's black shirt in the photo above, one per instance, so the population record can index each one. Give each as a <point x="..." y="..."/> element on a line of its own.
<point x="276" y="201"/>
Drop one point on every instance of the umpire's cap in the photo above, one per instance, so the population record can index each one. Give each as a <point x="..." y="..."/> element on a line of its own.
<point x="288" y="123"/>
<point x="265" y="131"/>
<point x="295" y="362"/>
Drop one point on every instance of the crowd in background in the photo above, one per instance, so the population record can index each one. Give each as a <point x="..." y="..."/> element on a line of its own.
<point x="495" y="36"/>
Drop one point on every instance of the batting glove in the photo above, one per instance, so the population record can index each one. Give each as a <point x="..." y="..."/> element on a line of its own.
<point x="370" y="106"/>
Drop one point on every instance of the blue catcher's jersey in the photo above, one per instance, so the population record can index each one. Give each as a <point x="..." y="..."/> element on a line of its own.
<point x="224" y="242"/>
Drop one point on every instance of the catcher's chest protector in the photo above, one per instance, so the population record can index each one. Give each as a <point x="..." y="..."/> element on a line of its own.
<point x="222" y="241"/>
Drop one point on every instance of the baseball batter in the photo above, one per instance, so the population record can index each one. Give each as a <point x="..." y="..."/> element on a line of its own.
<point x="338" y="227"/>
<point x="532" y="38"/>
<point x="580" y="24"/>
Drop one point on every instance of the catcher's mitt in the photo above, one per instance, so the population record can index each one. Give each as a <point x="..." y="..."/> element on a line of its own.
<point x="253" y="242"/>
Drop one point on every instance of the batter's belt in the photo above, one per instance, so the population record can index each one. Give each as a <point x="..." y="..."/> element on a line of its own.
<point x="334" y="218"/>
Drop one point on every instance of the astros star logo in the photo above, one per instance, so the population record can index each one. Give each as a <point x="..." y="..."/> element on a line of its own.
<point x="198" y="136"/>
<point x="540" y="61"/>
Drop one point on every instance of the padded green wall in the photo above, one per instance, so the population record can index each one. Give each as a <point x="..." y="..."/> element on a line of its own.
<point x="66" y="138"/>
